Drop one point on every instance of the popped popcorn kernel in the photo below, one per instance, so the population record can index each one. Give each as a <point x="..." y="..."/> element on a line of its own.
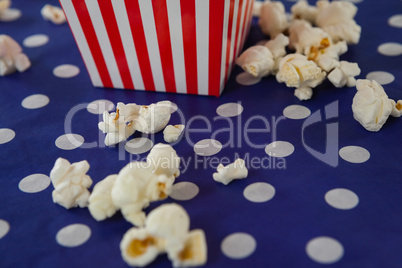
<point x="233" y="171"/>
<point x="172" y="133"/>
<point x="273" y="20"/>
<point x="53" y="14"/>
<point x="11" y="57"/>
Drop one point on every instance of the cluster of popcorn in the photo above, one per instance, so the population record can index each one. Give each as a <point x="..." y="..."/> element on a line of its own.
<point x="129" y="118"/>
<point x="318" y="35"/>
<point x="11" y="56"/>
<point x="167" y="230"/>
<point x="371" y="105"/>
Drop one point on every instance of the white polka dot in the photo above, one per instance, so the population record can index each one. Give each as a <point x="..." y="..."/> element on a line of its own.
<point x="138" y="145"/>
<point x="99" y="106"/>
<point x="184" y="190"/>
<point x="229" y="109"/>
<point x="36" y="40"/>
<point x="296" y="112"/>
<point x="279" y="149"/>
<point x="395" y="21"/>
<point x="207" y="147"/>
<point x="10" y="14"/>
<point x="390" y="49"/>
<point x="246" y="79"/>
<point x="73" y="235"/>
<point x="69" y="141"/>
<point x="238" y="245"/>
<point x="324" y="250"/>
<point x="6" y="135"/>
<point x="341" y="198"/>
<point x="34" y="183"/>
<point x="259" y="192"/>
<point x="66" y="71"/>
<point x="35" y="101"/>
<point x="381" y="77"/>
<point x="4" y="228"/>
<point x="354" y="154"/>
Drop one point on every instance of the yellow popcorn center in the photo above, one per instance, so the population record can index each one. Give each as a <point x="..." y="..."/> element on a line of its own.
<point x="139" y="247"/>
<point x="315" y="50"/>
<point x="186" y="253"/>
<point x="161" y="188"/>
<point x="117" y="116"/>
<point x="399" y="106"/>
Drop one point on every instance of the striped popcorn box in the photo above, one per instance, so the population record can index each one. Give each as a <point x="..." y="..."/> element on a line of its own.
<point x="181" y="46"/>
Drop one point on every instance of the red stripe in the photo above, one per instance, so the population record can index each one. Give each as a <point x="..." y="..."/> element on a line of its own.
<point x="112" y="29"/>
<point x="165" y="46"/>
<point x="92" y="40"/>
<point x="189" y="44"/>
<point x="216" y="11"/>
<point x="229" y="39"/>
<point x="137" y="30"/>
<point x="238" y="30"/>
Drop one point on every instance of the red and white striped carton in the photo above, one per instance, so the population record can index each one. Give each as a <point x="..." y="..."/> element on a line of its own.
<point x="182" y="46"/>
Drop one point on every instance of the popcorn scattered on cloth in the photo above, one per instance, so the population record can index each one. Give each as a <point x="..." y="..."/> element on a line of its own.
<point x="371" y="105"/>
<point x="53" y="14"/>
<point x="71" y="183"/>
<point x="322" y="45"/>
<point x="172" y="133"/>
<point x="234" y="171"/>
<point x="11" y="56"/>
<point x="167" y="230"/>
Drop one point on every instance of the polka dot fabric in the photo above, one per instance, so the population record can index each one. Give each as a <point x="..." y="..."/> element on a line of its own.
<point x="321" y="190"/>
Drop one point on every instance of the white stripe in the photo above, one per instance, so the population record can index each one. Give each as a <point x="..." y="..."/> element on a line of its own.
<point x="103" y="39"/>
<point x="202" y="35"/>
<point x="248" y="21"/>
<point x="176" y="39"/>
<point x="224" y="43"/>
<point x="233" y="36"/>
<point x="147" y="15"/>
<point x="128" y="43"/>
<point x="244" y="7"/>
<point x="81" y="42"/>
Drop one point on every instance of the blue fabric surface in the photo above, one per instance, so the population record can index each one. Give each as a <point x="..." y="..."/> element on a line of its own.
<point x="370" y="233"/>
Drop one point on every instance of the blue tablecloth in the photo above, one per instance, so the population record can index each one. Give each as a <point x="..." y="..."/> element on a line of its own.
<point x="282" y="229"/>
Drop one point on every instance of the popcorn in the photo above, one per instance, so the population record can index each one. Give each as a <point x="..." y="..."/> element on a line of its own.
<point x="337" y="19"/>
<point x="163" y="160"/>
<point x="172" y="133"/>
<point x="344" y="74"/>
<point x="297" y="71"/>
<point x="100" y="201"/>
<point x="71" y="183"/>
<point x="11" y="56"/>
<point x="115" y="127"/>
<point x="273" y="20"/>
<point x="257" y="8"/>
<point x="371" y="105"/>
<point x="4" y="5"/>
<point x="166" y="230"/>
<point x="153" y="118"/>
<point x="302" y="36"/>
<point x="303" y="11"/>
<point x="139" y="248"/>
<point x="396" y="108"/>
<point x="226" y="174"/>
<point x="53" y="14"/>
<point x="135" y="187"/>
<point x="256" y="60"/>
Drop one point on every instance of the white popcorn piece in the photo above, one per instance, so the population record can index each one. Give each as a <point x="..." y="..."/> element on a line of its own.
<point x="273" y="19"/>
<point x="153" y="118"/>
<point x="53" y="14"/>
<point x="297" y="71"/>
<point x="171" y="223"/>
<point x="233" y="171"/>
<point x="277" y="46"/>
<point x="337" y="19"/>
<point x="194" y="252"/>
<point x="135" y="187"/>
<point x="115" y="127"/>
<point x="302" y="36"/>
<point x="139" y="248"/>
<point x="4" y="5"/>
<point x="163" y="160"/>
<point x="11" y="56"/>
<point x="101" y="205"/>
<point x="257" y="61"/>
<point x="371" y="105"/>
<point x="257" y="8"/>
<point x="172" y="133"/>
<point x="344" y="75"/>
<point x="303" y="11"/>
<point x="303" y="93"/>
<point x="71" y="183"/>
<point x="396" y="108"/>
<point x="130" y="111"/>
